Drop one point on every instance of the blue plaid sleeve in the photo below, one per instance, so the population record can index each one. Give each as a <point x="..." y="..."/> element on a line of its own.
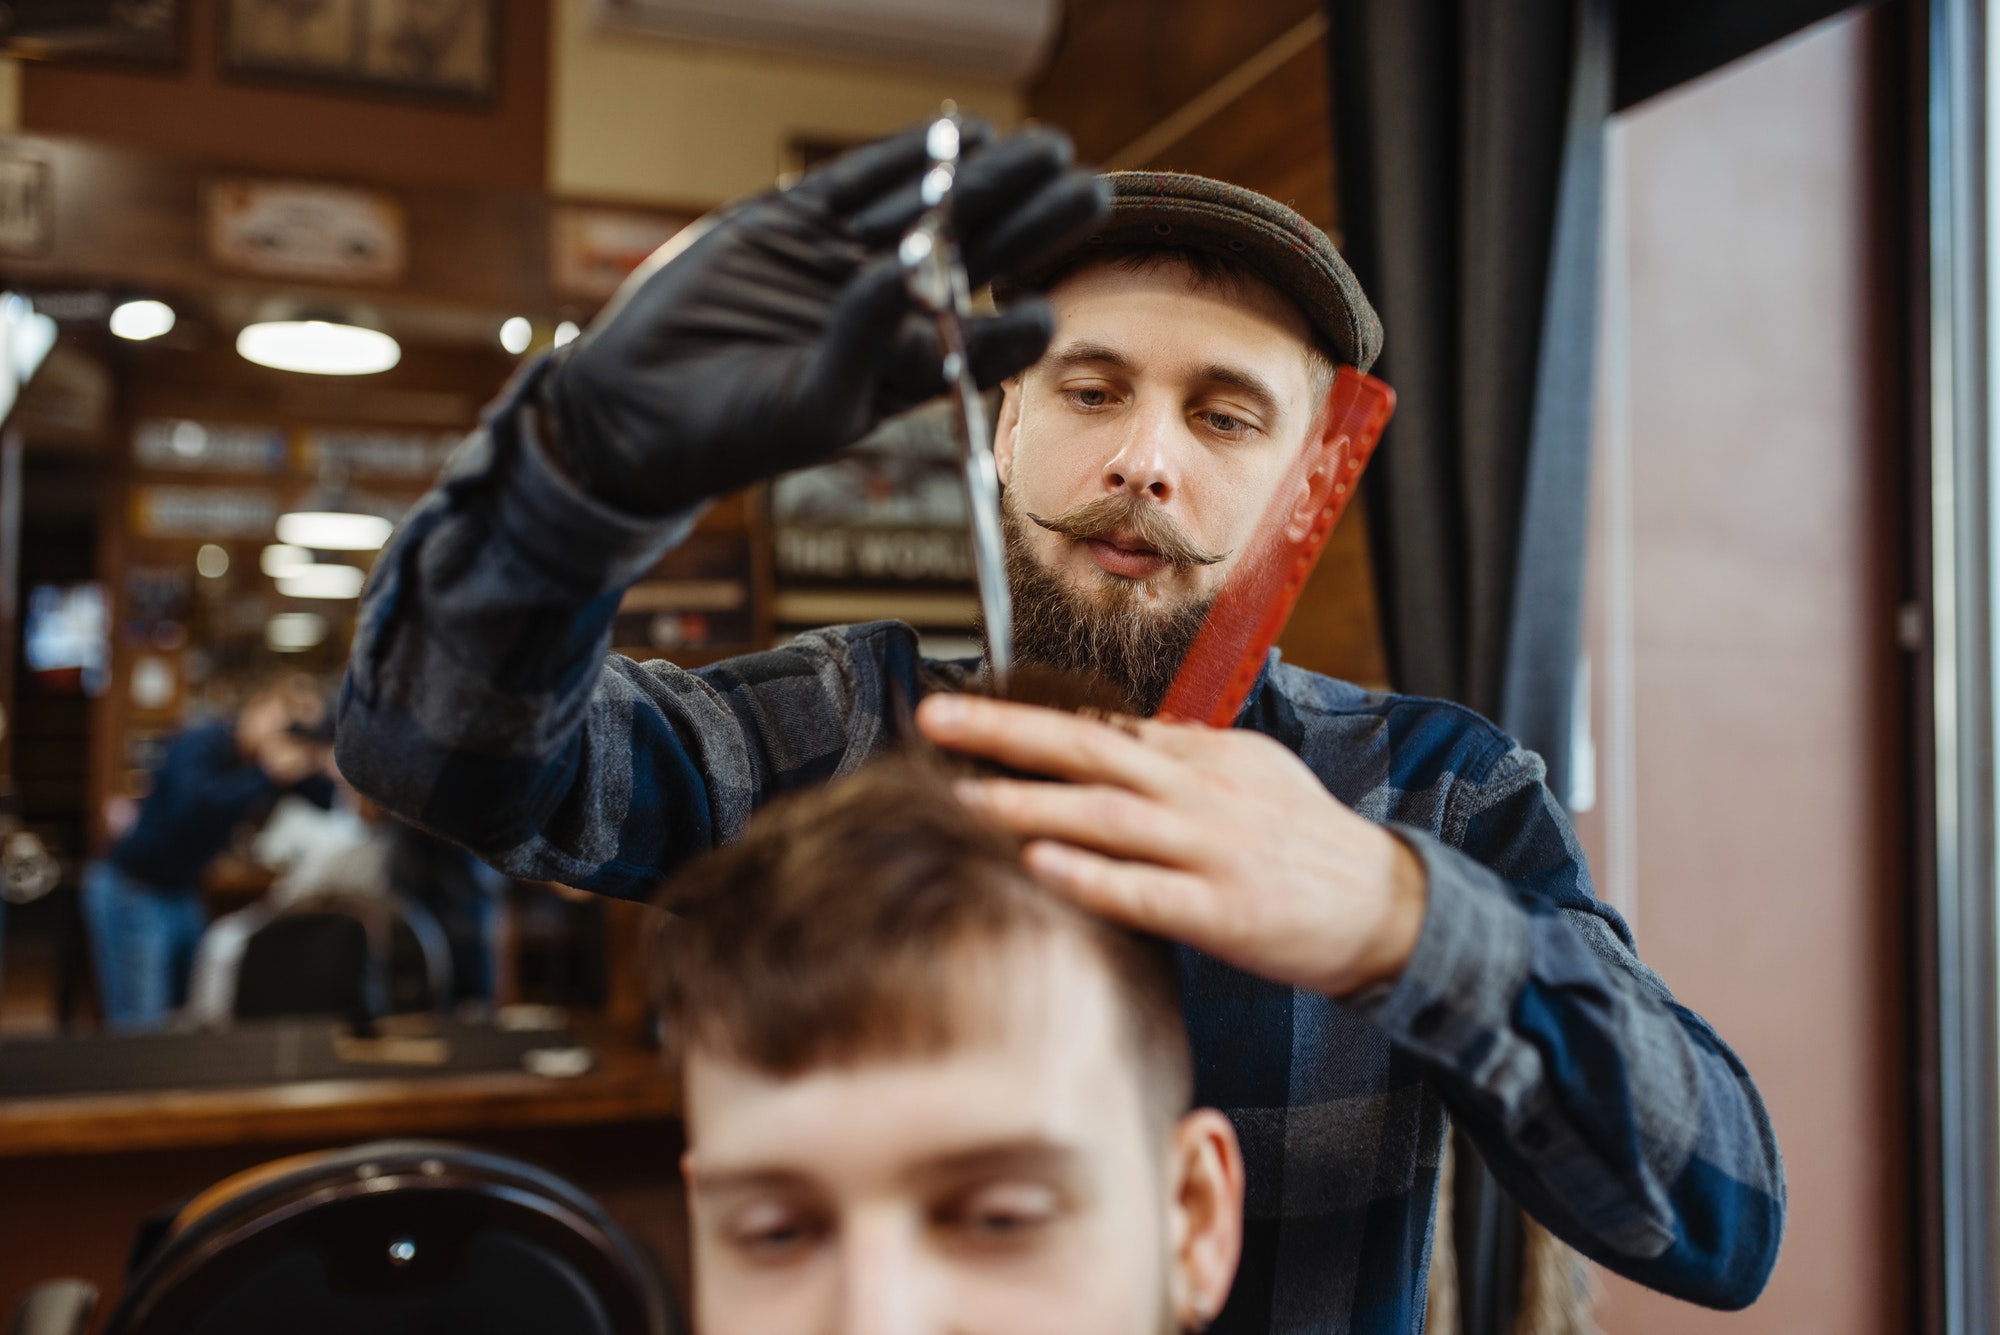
<point x="481" y="701"/>
<point x="1614" y="1114"/>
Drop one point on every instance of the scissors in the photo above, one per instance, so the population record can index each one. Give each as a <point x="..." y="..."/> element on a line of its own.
<point x="934" y="274"/>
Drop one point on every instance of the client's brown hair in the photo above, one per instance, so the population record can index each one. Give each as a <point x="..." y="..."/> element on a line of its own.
<point x="827" y="933"/>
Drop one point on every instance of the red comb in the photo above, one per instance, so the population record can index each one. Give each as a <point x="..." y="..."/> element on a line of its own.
<point x="1256" y="600"/>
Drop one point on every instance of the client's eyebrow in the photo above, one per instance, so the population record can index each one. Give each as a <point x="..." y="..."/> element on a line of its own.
<point x="748" y="1179"/>
<point x="1029" y="1156"/>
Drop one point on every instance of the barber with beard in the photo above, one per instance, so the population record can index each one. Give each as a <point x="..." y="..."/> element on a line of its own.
<point x="1388" y="922"/>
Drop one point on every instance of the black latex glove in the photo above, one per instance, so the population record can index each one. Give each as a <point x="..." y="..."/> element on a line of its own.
<point x="782" y="331"/>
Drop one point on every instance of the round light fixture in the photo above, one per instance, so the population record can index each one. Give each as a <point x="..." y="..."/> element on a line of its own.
<point x="318" y="347"/>
<point x="318" y="581"/>
<point x="142" y="319"/>
<point x="333" y="531"/>
<point x="211" y="562"/>
<point x="566" y="333"/>
<point x="516" y="333"/>
<point x="280" y="559"/>
<point x="290" y="632"/>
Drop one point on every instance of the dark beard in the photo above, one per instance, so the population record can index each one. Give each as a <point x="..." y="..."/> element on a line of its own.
<point x="1135" y="648"/>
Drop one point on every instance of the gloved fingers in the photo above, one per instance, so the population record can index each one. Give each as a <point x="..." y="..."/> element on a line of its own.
<point x="1062" y="210"/>
<point x="988" y="182"/>
<point x="862" y="337"/>
<point x="991" y="184"/>
<point x="894" y="165"/>
<point x="1006" y="344"/>
<point x="998" y="346"/>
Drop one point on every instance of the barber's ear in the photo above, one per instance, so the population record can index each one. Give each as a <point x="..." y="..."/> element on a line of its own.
<point x="1207" y="1205"/>
<point x="1008" y="427"/>
<point x="1324" y="453"/>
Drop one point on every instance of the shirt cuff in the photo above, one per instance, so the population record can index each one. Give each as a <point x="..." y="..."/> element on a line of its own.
<point x="1471" y="961"/>
<point x="562" y="528"/>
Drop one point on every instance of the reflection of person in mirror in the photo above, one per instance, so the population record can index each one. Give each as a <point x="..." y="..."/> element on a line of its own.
<point x="925" y="1094"/>
<point x="143" y="900"/>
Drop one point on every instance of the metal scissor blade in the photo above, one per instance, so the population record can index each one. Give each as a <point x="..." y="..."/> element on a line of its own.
<point x="934" y="274"/>
<point x="989" y="548"/>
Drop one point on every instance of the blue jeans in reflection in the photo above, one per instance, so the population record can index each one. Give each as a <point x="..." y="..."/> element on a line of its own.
<point x="142" y="938"/>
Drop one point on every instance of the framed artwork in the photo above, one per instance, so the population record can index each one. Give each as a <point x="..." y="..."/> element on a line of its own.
<point x="143" y="30"/>
<point x="306" y="229"/>
<point x="444" y="47"/>
<point x="26" y="205"/>
<point x="887" y="512"/>
<point x="591" y="249"/>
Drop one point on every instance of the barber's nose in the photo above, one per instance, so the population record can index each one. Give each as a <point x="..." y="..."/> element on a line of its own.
<point x="885" y="1289"/>
<point x="1146" y="459"/>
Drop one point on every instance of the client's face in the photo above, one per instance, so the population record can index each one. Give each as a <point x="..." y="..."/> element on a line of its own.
<point x="1012" y="1182"/>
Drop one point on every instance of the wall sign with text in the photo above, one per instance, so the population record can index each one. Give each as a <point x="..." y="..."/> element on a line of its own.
<point x="305" y="229"/>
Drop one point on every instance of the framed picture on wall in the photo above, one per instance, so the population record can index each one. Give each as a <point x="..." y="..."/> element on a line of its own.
<point x="306" y="229"/>
<point x="27" y="206"/>
<point x="591" y="249"/>
<point x="442" y="47"/>
<point x="142" y="30"/>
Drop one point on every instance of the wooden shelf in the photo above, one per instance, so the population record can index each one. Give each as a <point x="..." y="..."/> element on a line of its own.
<point x="629" y="1084"/>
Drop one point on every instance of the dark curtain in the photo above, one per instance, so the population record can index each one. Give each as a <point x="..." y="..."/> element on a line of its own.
<point x="1469" y="136"/>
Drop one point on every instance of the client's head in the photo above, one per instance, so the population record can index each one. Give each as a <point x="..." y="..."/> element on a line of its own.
<point x="925" y="1095"/>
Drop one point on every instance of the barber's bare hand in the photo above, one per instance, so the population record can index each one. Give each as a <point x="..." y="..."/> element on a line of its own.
<point x="1221" y="839"/>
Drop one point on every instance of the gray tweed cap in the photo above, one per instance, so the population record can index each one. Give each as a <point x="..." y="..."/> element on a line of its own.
<point x="1289" y="253"/>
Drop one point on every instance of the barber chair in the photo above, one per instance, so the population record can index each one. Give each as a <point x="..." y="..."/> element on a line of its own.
<point x="349" y="955"/>
<point x="393" y="1238"/>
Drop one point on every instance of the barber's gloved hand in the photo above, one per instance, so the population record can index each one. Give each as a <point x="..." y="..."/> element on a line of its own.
<point x="773" y="333"/>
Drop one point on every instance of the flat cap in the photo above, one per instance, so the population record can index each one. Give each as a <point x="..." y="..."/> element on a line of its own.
<point x="1272" y="240"/>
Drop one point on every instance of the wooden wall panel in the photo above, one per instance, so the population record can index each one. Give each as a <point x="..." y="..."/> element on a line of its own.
<point x="319" y="131"/>
<point x="1121" y="67"/>
<point x="1277" y="138"/>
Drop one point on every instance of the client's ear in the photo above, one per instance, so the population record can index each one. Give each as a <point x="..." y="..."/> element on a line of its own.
<point x="1207" y="1209"/>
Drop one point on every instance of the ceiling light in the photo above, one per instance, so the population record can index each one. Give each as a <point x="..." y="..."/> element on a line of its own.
<point x="318" y="347"/>
<point x="516" y="333"/>
<point x="211" y="562"/>
<point x="566" y="333"/>
<point x="333" y="530"/>
<point x="282" y="559"/>
<point x="141" y="320"/>
<point x="289" y="632"/>
<point x="318" y="581"/>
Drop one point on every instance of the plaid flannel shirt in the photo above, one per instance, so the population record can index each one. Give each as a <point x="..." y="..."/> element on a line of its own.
<point x="481" y="702"/>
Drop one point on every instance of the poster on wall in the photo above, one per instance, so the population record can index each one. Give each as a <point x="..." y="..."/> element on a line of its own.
<point x="26" y="205"/>
<point x="592" y="249"/>
<point x="180" y="445"/>
<point x="306" y="229"/>
<point x="888" y="511"/>
<point x="145" y="30"/>
<point x="203" y="512"/>
<point x="365" y="452"/>
<point x="425" y="46"/>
